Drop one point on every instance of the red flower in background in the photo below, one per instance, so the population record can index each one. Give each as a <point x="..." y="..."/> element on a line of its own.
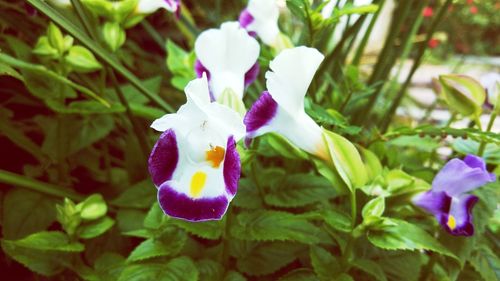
<point x="428" y="12"/>
<point x="433" y="43"/>
<point x="470" y="1"/>
<point x="473" y="10"/>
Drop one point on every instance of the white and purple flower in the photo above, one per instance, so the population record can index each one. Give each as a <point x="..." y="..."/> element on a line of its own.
<point x="260" y="18"/>
<point x="195" y="164"/>
<point x="229" y="57"/>
<point x="150" y="6"/>
<point x="448" y="199"/>
<point x="280" y="109"/>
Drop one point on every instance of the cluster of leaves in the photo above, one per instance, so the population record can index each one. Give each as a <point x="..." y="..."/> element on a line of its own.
<point x="76" y="131"/>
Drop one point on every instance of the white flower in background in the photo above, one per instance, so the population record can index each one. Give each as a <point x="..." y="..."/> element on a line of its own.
<point x="229" y="57"/>
<point x="150" y="6"/>
<point x="281" y="108"/>
<point x="195" y="164"/>
<point x="261" y="18"/>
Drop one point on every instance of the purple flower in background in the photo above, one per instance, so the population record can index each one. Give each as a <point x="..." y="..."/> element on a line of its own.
<point x="195" y="164"/>
<point x="229" y="58"/>
<point x="260" y="18"/>
<point x="448" y="199"/>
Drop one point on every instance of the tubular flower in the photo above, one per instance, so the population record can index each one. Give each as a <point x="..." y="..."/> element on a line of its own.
<point x="150" y="6"/>
<point x="229" y="57"/>
<point x="280" y="109"/>
<point x="195" y="164"/>
<point x="448" y="199"/>
<point x="261" y="18"/>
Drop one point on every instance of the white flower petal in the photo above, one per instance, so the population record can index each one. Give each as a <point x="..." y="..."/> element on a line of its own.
<point x="227" y="53"/>
<point x="291" y="73"/>
<point x="265" y="14"/>
<point x="150" y="6"/>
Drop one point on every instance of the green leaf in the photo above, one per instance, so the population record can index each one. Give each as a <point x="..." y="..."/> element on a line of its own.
<point x="25" y="212"/>
<point x="402" y="265"/>
<point x="266" y="258"/>
<point x="113" y="35"/>
<point x="234" y="276"/>
<point x="141" y="195"/>
<point x="300" y="190"/>
<point x="207" y="229"/>
<point x="210" y="270"/>
<point x="337" y="220"/>
<point x="372" y="163"/>
<point x="374" y="208"/>
<point x="325" y="265"/>
<point x="301" y="274"/>
<point x="178" y="269"/>
<point x="47" y="263"/>
<point x="346" y="159"/>
<point x="55" y="37"/>
<point x="93" y="207"/>
<point x="491" y="153"/>
<point x="371" y="268"/>
<point x="396" y="234"/>
<point x="44" y="48"/>
<point x="155" y="217"/>
<point x="275" y="145"/>
<point x="109" y="266"/>
<point x="167" y="245"/>
<point x="96" y="228"/>
<point x="248" y="196"/>
<point x="261" y="225"/>
<point x="181" y="65"/>
<point x="82" y="60"/>
<point x="48" y="240"/>
<point x="486" y="263"/>
<point x="463" y="94"/>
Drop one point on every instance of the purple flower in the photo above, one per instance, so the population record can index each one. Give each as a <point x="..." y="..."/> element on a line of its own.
<point x="448" y="199"/>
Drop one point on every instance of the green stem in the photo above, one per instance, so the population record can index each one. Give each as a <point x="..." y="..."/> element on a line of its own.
<point x="482" y="146"/>
<point x="348" y="250"/>
<point x="154" y="34"/>
<point x="23" y="181"/>
<point x="418" y="60"/>
<point x="104" y="55"/>
<point x="366" y="37"/>
<point x="427" y="270"/>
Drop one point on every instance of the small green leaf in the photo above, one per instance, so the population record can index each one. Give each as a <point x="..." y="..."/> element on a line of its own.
<point x="396" y="234"/>
<point x="325" y="265"/>
<point x="374" y="208"/>
<point x="95" y="228"/>
<point x="93" y="207"/>
<point x="371" y="268"/>
<point x="155" y="217"/>
<point x="486" y="263"/>
<point x="263" y="225"/>
<point x="141" y="195"/>
<point x="44" y="48"/>
<point x="346" y="159"/>
<point x="55" y="37"/>
<point x="208" y="229"/>
<point x="48" y="241"/>
<point x="181" y="65"/>
<point x="82" y="60"/>
<point x="168" y="245"/>
<point x="337" y="220"/>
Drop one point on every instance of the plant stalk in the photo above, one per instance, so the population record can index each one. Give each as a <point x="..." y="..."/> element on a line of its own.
<point x="482" y="146"/>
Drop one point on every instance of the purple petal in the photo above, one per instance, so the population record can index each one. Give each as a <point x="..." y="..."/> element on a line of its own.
<point x="199" y="68"/>
<point x="437" y="203"/>
<point x="252" y="74"/>
<point x="232" y="167"/>
<point x="245" y="18"/>
<point x="181" y="206"/>
<point x="457" y="177"/>
<point x="474" y="161"/>
<point x="261" y="113"/>
<point x="163" y="158"/>
<point x="459" y="220"/>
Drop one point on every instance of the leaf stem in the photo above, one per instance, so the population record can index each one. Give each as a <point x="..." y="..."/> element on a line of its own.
<point x="482" y="146"/>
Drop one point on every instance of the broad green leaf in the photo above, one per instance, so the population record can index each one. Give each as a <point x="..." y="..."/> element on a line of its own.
<point x="6" y="70"/>
<point x="346" y="159"/>
<point x="396" y="234"/>
<point x="47" y="263"/>
<point x="25" y="212"/>
<point x="181" y="65"/>
<point x="372" y="163"/>
<point x="325" y="265"/>
<point x="96" y="228"/>
<point x="301" y="274"/>
<point x="261" y="225"/>
<point x="486" y="263"/>
<point x="463" y="94"/>
<point x="266" y="258"/>
<point x="167" y="245"/>
<point x="210" y="270"/>
<point x="155" y="217"/>
<point x="299" y="190"/>
<point x="337" y="220"/>
<point x="208" y="229"/>
<point x="178" y="269"/>
<point x="141" y="195"/>
<point x="48" y="241"/>
<point x="275" y="145"/>
<point x="248" y="196"/>
<point x="234" y="276"/>
<point x="109" y="265"/>
<point x="370" y="267"/>
<point x="130" y="219"/>
<point x="343" y="277"/>
<point x="402" y="265"/>
<point x="82" y="60"/>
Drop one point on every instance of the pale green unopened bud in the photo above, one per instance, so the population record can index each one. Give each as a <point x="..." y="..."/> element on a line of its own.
<point x="463" y="94"/>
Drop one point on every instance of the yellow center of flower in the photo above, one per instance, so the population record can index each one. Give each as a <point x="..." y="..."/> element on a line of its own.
<point x="197" y="183"/>
<point x="215" y="155"/>
<point x="452" y="223"/>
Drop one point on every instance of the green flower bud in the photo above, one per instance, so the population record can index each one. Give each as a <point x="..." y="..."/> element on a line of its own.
<point x="55" y="37"/>
<point x="463" y="94"/>
<point x="92" y="208"/>
<point x="82" y="60"/>
<point x="113" y="35"/>
<point x="44" y="48"/>
<point x="231" y="100"/>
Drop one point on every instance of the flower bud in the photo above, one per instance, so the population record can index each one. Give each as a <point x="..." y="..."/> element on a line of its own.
<point x="463" y="94"/>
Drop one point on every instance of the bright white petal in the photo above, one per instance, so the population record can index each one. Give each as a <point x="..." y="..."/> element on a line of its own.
<point x="150" y="6"/>
<point x="197" y="91"/>
<point x="265" y="14"/>
<point x="291" y="73"/>
<point x="227" y="121"/>
<point x="228" y="53"/>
